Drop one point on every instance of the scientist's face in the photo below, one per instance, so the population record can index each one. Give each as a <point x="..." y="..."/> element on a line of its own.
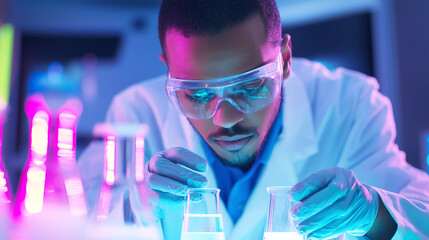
<point x="234" y="136"/>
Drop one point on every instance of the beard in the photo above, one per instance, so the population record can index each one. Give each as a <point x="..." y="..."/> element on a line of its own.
<point x="236" y="159"/>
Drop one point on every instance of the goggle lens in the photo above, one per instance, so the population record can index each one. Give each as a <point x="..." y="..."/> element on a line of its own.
<point x="201" y="98"/>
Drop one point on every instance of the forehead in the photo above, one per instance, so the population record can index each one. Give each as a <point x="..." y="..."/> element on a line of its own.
<point x="233" y="51"/>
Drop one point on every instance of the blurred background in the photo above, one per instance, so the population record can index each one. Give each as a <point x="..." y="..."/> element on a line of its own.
<point x="93" y="49"/>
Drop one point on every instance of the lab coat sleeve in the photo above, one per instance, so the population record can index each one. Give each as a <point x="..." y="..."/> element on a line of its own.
<point x="375" y="159"/>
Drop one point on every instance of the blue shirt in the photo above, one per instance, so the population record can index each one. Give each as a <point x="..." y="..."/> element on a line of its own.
<point x="235" y="185"/>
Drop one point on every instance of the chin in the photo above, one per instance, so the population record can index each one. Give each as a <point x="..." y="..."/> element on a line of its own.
<point x="238" y="159"/>
<point x="242" y="159"/>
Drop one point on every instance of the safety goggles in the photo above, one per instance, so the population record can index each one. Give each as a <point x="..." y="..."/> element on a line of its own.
<point x="248" y="92"/>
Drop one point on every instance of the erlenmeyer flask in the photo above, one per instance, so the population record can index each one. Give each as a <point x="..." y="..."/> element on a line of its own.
<point x="123" y="170"/>
<point x="202" y="218"/>
<point x="50" y="186"/>
<point x="122" y="194"/>
<point x="279" y="224"/>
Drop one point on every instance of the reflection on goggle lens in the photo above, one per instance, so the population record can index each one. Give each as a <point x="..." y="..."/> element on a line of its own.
<point x="253" y="89"/>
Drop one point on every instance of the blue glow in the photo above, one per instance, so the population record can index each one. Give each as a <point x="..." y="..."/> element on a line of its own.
<point x="54" y="80"/>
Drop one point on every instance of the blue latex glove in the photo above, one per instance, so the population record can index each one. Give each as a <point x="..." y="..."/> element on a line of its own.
<point x="168" y="175"/>
<point x="332" y="202"/>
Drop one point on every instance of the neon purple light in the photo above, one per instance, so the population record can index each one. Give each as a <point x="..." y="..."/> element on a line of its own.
<point x="39" y="137"/>
<point x="139" y="168"/>
<point x="110" y="159"/>
<point x="4" y="191"/>
<point x="30" y="194"/>
<point x="34" y="189"/>
<point x="3" y="187"/>
<point x="66" y="140"/>
<point x="36" y="174"/>
<point x="75" y="194"/>
<point x="4" y="195"/>
<point x="66" y="154"/>
<point x="104" y="204"/>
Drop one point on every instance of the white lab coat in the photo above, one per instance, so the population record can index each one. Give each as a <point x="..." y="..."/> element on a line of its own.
<point x="330" y="119"/>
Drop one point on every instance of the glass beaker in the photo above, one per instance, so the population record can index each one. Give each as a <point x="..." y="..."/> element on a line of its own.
<point x="202" y="218"/>
<point x="279" y="224"/>
<point x="123" y="182"/>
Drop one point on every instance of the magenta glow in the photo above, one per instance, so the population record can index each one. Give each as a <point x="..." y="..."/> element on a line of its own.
<point x="139" y="168"/>
<point x="110" y="160"/>
<point x="66" y="155"/>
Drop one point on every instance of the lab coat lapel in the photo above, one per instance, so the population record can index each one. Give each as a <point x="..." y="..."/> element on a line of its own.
<point x="297" y="142"/>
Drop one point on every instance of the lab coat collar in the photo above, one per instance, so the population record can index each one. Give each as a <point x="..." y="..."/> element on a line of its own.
<point x="300" y="140"/>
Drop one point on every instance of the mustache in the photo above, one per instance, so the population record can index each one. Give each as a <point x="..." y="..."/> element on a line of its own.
<point x="235" y="130"/>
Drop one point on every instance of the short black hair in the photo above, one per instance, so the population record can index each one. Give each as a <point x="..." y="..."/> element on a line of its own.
<point x="198" y="17"/>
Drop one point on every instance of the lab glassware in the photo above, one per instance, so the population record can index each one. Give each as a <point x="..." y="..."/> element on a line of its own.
<point x="50" y="179"/>
<point x="279" y="225"/>
<point x="122" y="194"/>
<point x="202" y="218"/>
<point x="50" y="186"/>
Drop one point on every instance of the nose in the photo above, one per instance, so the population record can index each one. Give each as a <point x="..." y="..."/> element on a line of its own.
<point x="227" y="115"/>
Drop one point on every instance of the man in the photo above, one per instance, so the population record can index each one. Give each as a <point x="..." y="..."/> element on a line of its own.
<point x="244" y="116"/>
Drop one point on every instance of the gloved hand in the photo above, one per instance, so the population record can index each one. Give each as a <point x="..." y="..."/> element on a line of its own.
<point x="168" y="174"/>
<point x="333" y="202"/>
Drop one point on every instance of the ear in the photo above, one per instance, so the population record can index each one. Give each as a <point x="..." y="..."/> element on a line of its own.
<point x="287" y="55"/>
<point x="163" y="59"/>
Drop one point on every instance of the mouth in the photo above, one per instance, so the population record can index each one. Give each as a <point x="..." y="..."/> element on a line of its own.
<point x="233" y="143"/>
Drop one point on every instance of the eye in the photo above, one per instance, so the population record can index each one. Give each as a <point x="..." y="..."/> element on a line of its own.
<point x="199" y="95"/>
<point x="254" y="86"/>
